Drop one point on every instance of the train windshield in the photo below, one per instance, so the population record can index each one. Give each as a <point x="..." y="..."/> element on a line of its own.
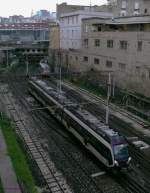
<point x="121" y="151"/>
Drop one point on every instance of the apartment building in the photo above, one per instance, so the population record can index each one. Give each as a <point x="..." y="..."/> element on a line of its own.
<point x="67" y="8"/>
<point x="71" y="24"/>
<point x="106" y="42"/>
<point x="120" y="45"/>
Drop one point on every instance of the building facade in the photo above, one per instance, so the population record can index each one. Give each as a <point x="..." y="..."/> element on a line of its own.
<point x="70" y="27"/>
<point x="132" y="7"/>
<point x="118" y="43"/>
<point x="120" y="46"/>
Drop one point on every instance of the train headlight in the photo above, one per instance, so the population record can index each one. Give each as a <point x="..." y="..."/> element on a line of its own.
<point x="116" y="163"/>
<point x="129" y="160"/>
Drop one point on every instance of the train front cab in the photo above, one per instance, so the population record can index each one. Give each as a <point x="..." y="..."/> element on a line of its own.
<point x="121" y="154"/>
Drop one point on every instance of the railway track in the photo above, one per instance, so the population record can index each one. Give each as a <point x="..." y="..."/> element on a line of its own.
<point x="54" y="181"/>
<point x="115" y="108"/>
<point x="129" y="184"/>
<point x="138" y="156"/>
<point x="73" y="156"/>
<point x="37" y="117"/>
<point x="81" y="164"/>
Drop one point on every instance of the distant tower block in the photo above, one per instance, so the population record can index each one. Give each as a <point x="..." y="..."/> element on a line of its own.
<point x="32" y="13"/>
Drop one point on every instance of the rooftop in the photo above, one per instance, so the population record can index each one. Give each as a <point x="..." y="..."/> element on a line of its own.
<point x="121" y="20"/>
<point x="88" y="13"/>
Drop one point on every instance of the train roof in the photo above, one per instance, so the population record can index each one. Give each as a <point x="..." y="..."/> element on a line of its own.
<point x="95" y="123"/>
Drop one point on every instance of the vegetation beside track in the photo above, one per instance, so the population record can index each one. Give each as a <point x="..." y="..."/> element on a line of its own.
<point x="120" y="97"/>
<point x="1" y="187"/>
<point x="18" y="157"/>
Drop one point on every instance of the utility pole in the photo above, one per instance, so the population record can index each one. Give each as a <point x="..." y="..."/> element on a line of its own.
<point x="113" y="91"/>
<point x="59" y="74"/>
<point x="56" y="70"/>
<point x="27" y="66"/>
<point x="90" y="5"/>
<point x="7" y="58"/>
<point x="108" y="96"/>
<point x="60" y="71"/>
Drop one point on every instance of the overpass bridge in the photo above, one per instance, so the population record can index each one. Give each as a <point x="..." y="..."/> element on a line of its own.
<point x="24" y="32"/>
<point x="33" y="52"/>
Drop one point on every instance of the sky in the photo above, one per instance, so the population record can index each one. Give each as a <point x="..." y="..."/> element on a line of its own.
<point x="25" y="7"/>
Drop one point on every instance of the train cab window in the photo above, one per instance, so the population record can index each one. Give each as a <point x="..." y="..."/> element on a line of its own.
<point x="121" y="150"/>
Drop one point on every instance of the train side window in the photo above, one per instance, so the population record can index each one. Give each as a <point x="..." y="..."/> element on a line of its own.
<point x="102" y="149"/>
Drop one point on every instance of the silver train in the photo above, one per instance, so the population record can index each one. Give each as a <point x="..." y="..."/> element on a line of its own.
<point x="107" y="145"/>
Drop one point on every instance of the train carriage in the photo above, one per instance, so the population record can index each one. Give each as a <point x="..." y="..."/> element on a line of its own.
<point x="107" y="145"/>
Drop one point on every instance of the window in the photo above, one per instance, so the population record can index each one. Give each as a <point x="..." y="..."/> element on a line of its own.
<point x="68" y="32"/>
<point x="124" y="4"/>
<point x="136" y="6"/>
<point x="123" y="13"/>
<point x="122" y="66"/>
<point x="86" y="28"/>
<point x="77" y="19"/>
<point x="96" y="60"/>
<point x="110" y="43"/>
<point x="76" y="58"/>
<point x="97" y="43"/>
<point x="85" y="59"/>
<point x="99" y="28"/>
<point x="96" y="28"/>
<point x="72" y="19"/>
<point x="148" y="73"/>
<point x="123" y="45"/>
<point x="139" y="46"/>
<point x="138" y="70"/>
<point x="109" y="64"/>
<point x="145" y="11"/>
<point x="141" y="27"/>
<point x="121" y="151"/>
<point x="85" y="43"/>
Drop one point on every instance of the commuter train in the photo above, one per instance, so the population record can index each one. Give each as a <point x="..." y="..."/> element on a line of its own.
<point x="106" y="144"/>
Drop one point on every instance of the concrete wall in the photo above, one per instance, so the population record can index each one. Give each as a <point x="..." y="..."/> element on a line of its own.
<point x="54" y="37"/>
